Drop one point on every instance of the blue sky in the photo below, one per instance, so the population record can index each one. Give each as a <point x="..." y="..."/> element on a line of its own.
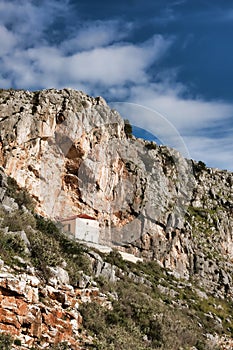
<point x="171" y="57"/>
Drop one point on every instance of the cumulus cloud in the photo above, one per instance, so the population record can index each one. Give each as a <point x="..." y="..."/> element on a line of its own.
<point x="96" y="55"/>
<point x="8" y="41"/>
<point x="183" y="123"/>
<point x="96" y="34"/>
<point x="99" y="58"/>
<point x="116" y="64"/>
<point x="184" y="113"/>
<point x="217" y="153"/>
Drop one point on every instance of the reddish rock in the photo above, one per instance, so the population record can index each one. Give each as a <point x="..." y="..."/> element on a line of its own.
<point x="49" y="319"/>
<point x="52" y="320"/>
<point x="7" y="328"/>
<point x="22" y="307"/>
<point x="8" y="317"/>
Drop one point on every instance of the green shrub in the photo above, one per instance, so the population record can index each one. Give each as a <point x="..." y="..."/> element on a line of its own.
<point x="128" y="128"/>
<point x="199" y="167"/>
<point x="18" y="220"/>
<point x="151" y="145"/>
<point x="48" y="245"/>
<point x="115" y="258"/>
<point x="136" y="315"/>
<point x="121" y="339"/>
<point x="20" y="195"/>
<point x="60" y="247"/>
<point x="47" y="226"/>
<point x="11" y="245"/>
<point x="17" y="342"/>
<point x="45" y="250"/>
<point x="164" y="326"/>
<point x="76" y="259"/>
<point x="92" y="312"/>
<point x="111" y="334"/>
<point x="6" y="341"/>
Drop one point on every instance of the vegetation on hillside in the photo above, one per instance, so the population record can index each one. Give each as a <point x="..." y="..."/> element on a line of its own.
<point x="161" y="313"/>
<point x="153" y="311"/>
<point x="45" y="244"/>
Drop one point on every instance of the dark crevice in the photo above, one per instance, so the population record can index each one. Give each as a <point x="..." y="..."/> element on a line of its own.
<point x="9" y="293"/>
<point x="35" y="102"/>
<point x="195" y="270"/>
<point x="26" y="325"/>
<point x="33" y="139"/>
<point x="158" y="223"/>
<point x="132" y="211"/>
<point x="60" y="116"/>
<point x="4" y="118"/>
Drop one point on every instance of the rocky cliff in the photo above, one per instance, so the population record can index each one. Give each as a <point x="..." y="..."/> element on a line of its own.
<point x="55" y="294"/>
<point x="71" y="152"/>
<point x="42" y="278"/>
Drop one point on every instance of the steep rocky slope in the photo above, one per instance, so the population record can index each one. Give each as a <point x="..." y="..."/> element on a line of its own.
<point x="42" y="278"/>
<point x="72" y="154"/>
<point x="55" y="294"/>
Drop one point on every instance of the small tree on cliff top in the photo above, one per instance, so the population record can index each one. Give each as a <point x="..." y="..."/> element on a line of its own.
<point x="128" y="128"/>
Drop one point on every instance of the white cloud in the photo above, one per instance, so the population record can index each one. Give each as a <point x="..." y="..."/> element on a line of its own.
<point x="34" y="68"/>
<point x="115" y="65"/>
<point x="8" y="41"/>
<point x="185" y="114"/>
<point x="96" y="34"/>
<point x="180" y="122"/>
<point x="30" y="20"/>
<point x="112" y="65"/>
<point x="216" y="152"/>
<point x="95" y="55"/>
<point x="96" y="58"/>
<point x="150" y="120"/>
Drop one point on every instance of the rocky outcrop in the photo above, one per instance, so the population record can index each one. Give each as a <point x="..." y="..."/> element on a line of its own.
<point x="72" y="154"/>
<point x="38" y="314"/>
<point x="49" y="296"/>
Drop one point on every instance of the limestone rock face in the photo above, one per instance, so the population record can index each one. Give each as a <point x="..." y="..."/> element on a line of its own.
<point x="33" y="312"/>
<point x="72" y="154"/>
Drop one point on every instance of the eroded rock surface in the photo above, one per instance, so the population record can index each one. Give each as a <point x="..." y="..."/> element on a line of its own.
<point x="39" y="314"/>
<point x="72" y="154"/>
